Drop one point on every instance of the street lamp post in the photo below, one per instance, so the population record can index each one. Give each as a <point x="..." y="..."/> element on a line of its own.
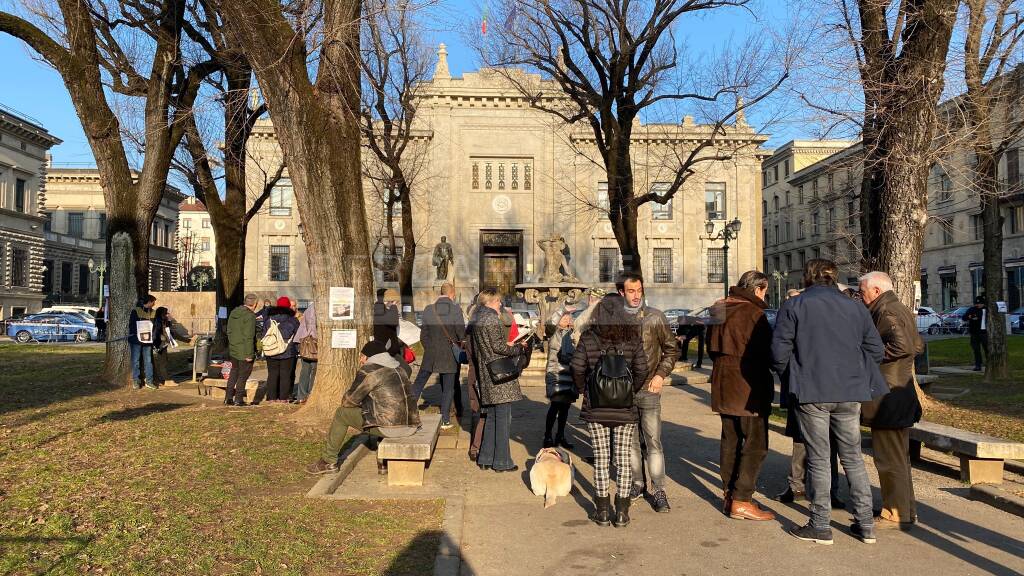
<point x="779" y="276"/>
<point x="730" y="231"/>
<point x="101" y="269"/>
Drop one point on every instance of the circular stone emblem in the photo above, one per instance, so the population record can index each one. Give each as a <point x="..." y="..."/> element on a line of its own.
<point x="279" y="225"/>
<point x="501" y="204"/>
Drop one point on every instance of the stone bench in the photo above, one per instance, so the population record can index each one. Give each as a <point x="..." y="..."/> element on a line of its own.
<point x="407" y="457"/>
<point x="981" y="456"/>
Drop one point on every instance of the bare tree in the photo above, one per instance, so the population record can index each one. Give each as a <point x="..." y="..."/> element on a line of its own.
<point x="215" y="165"/>
<point x="306" y="59"/>
<point x="108" y="53"/>
<point x="901" y="65"/>
<point x="187" y="250"/>
<point x="993" y="34"/>
<point x="614" y="60"/>
<point x="395" y="62"/>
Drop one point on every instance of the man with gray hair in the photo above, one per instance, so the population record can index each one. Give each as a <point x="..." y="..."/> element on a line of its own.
<point x="241" y="330"/>
<point x="443" y="335"/>
<point x="891" y="416"/>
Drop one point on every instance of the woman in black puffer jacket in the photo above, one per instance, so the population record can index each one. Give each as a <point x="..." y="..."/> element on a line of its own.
<point x="610" y="329"/>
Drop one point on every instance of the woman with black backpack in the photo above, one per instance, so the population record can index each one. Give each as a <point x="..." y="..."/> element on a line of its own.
<point x="608" y="368"/>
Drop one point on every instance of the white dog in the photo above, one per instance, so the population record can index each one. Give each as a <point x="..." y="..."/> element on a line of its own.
<point x="551" y="475"/>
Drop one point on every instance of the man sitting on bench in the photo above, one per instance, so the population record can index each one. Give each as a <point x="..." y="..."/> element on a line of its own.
<point x="379" y="402"/>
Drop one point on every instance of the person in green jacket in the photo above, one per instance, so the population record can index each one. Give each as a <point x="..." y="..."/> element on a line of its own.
<point x="241" y="349"/>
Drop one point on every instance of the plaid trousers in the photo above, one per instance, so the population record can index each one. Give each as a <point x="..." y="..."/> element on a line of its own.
<point x="601" y="437"/>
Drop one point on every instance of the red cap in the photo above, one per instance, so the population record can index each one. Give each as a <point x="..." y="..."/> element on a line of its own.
<point x="284" y="302"/>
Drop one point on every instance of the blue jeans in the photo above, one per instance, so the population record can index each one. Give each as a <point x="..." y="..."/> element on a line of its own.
<point x="843" y="419"/>
<point x="144" y="350"/>
<point x="650" y="428"/>
<point x="448" y="391"/>
<point x="494" y="450"/>
<point x="306" y="376"/>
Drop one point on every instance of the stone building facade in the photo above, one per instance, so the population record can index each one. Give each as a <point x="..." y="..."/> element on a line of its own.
<point x="24" y="143"/>
<point x="498" y="176"/>
<point x="197" y="245"/>
<point x="76" y="231"/>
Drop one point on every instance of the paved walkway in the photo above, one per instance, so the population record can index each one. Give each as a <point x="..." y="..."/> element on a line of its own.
<point x="505" y="529"/>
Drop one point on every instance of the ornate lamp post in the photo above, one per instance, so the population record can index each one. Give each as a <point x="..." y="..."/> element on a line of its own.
<point x="779" y="277"/>
<point x="101" y="269"/>
<point x="730" y="231"/>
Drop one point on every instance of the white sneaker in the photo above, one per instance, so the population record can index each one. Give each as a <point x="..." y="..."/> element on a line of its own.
<point x="447" y="426"/>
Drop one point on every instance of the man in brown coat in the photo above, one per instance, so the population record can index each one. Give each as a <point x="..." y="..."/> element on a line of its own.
<point x="892" y="415"/>
<point x="742" y="387"/>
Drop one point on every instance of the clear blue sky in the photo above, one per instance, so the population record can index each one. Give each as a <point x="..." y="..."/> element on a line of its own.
<point x="33" y="88"/>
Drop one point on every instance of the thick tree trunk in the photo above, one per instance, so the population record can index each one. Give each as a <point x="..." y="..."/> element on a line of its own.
<point x="230" y="285"/>
<point x="623" y="212"/>
<point x="117" y="367"/>
<point x="317" y="127"/>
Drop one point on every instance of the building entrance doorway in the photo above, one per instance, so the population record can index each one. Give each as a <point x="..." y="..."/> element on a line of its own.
<point x="501" y="261"/>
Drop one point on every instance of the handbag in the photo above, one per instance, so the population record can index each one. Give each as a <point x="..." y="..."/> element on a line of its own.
<point x="408" y="355"/>
<point x="460" y="354"/>
<point x="504" y="369"/>
<point x="308" y="348"/>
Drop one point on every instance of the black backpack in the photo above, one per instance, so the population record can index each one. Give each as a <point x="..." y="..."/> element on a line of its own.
<point x="610" y="383"/>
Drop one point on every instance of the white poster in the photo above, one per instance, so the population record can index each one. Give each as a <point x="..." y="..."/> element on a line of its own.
<point x="222" y="312"/>
<point x="1001" y="306"/>
<point x="345" y="339"/>
<point x="144" y="331"/>
<point x="170" y="338"/>
<point x="342" y="303"/>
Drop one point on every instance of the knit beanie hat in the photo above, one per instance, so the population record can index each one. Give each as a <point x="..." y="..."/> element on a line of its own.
<point x="284" y="302"/>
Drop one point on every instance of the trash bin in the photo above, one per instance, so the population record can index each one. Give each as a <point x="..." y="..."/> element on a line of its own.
<point x="201" y="356"/>
<point x="921" y="361"/>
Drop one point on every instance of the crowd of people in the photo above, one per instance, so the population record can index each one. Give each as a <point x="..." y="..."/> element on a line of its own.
<point x="844" y="359"/>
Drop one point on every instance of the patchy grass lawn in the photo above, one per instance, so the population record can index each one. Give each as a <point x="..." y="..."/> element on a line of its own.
<point x="996" y="409"/>
<point x="100" y="480"/>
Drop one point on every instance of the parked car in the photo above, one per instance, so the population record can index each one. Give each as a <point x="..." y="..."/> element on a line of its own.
<point x="928" y="320"/>
<point x="1017" y="319"/>
<point x="84" y="312"/>
<point x="952" y="320"/>
<point x="52" y="328"/>
<point x="674" y="314"/>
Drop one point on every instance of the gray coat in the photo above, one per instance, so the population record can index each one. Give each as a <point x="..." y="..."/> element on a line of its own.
<point x="443" y="315"/>
<point x="490" y="342"/>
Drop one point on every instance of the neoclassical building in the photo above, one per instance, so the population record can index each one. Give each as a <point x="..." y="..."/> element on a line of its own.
<point x="76" y="231"/>
<point x="24" y="143"/>
<point x="498" y="176"/>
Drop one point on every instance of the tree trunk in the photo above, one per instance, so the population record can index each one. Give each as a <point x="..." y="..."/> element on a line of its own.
<point x="230" y="286"/>
<point x="117" y="365"/>
<point x="318" y="129"/>
<point x="405" y="269"/>
<point x="623" y="212"/>
<point x="996" y="367"/>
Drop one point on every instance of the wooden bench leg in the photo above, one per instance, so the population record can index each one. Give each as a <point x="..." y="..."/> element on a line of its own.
<point x="980" y="470"/>
<point x="405" y="472"/>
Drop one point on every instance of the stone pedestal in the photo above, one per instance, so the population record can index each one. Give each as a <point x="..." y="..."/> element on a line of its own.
<point x="550" y="297"/>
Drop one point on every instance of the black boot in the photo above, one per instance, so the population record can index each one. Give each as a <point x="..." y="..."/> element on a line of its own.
<point x="561" y="441"/>
<point x="548" y="442"/>
<point x="621" y="511"/>
<point x="602" y="510"/>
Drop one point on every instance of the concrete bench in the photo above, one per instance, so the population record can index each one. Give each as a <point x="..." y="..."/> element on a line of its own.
<point x="407" y="457"/>
<point x="981" y="457"/>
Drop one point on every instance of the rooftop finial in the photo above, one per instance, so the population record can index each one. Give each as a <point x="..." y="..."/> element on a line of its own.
<point x="441" y="70"/>
<point x="741" y="116"/>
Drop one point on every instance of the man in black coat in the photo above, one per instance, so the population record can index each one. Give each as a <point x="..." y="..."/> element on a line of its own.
<point x="830" y="348"/>
<point x="978" y="329"/>
<point x="444" y="327"/>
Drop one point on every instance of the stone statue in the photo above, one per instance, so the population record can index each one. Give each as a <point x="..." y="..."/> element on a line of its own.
<point x="556" y="267"/>
<point x="443" y="258"/>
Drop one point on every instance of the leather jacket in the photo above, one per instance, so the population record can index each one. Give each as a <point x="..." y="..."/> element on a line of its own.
<point x="660" y="343"/>
<point x="383" y="390"/>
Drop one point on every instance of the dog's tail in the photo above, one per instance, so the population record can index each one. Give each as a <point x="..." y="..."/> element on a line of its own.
<point x="549" y="499"/>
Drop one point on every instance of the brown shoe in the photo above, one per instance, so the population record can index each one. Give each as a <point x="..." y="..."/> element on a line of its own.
<point x="741" y="510"/>
<point x="321" y="466"/>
